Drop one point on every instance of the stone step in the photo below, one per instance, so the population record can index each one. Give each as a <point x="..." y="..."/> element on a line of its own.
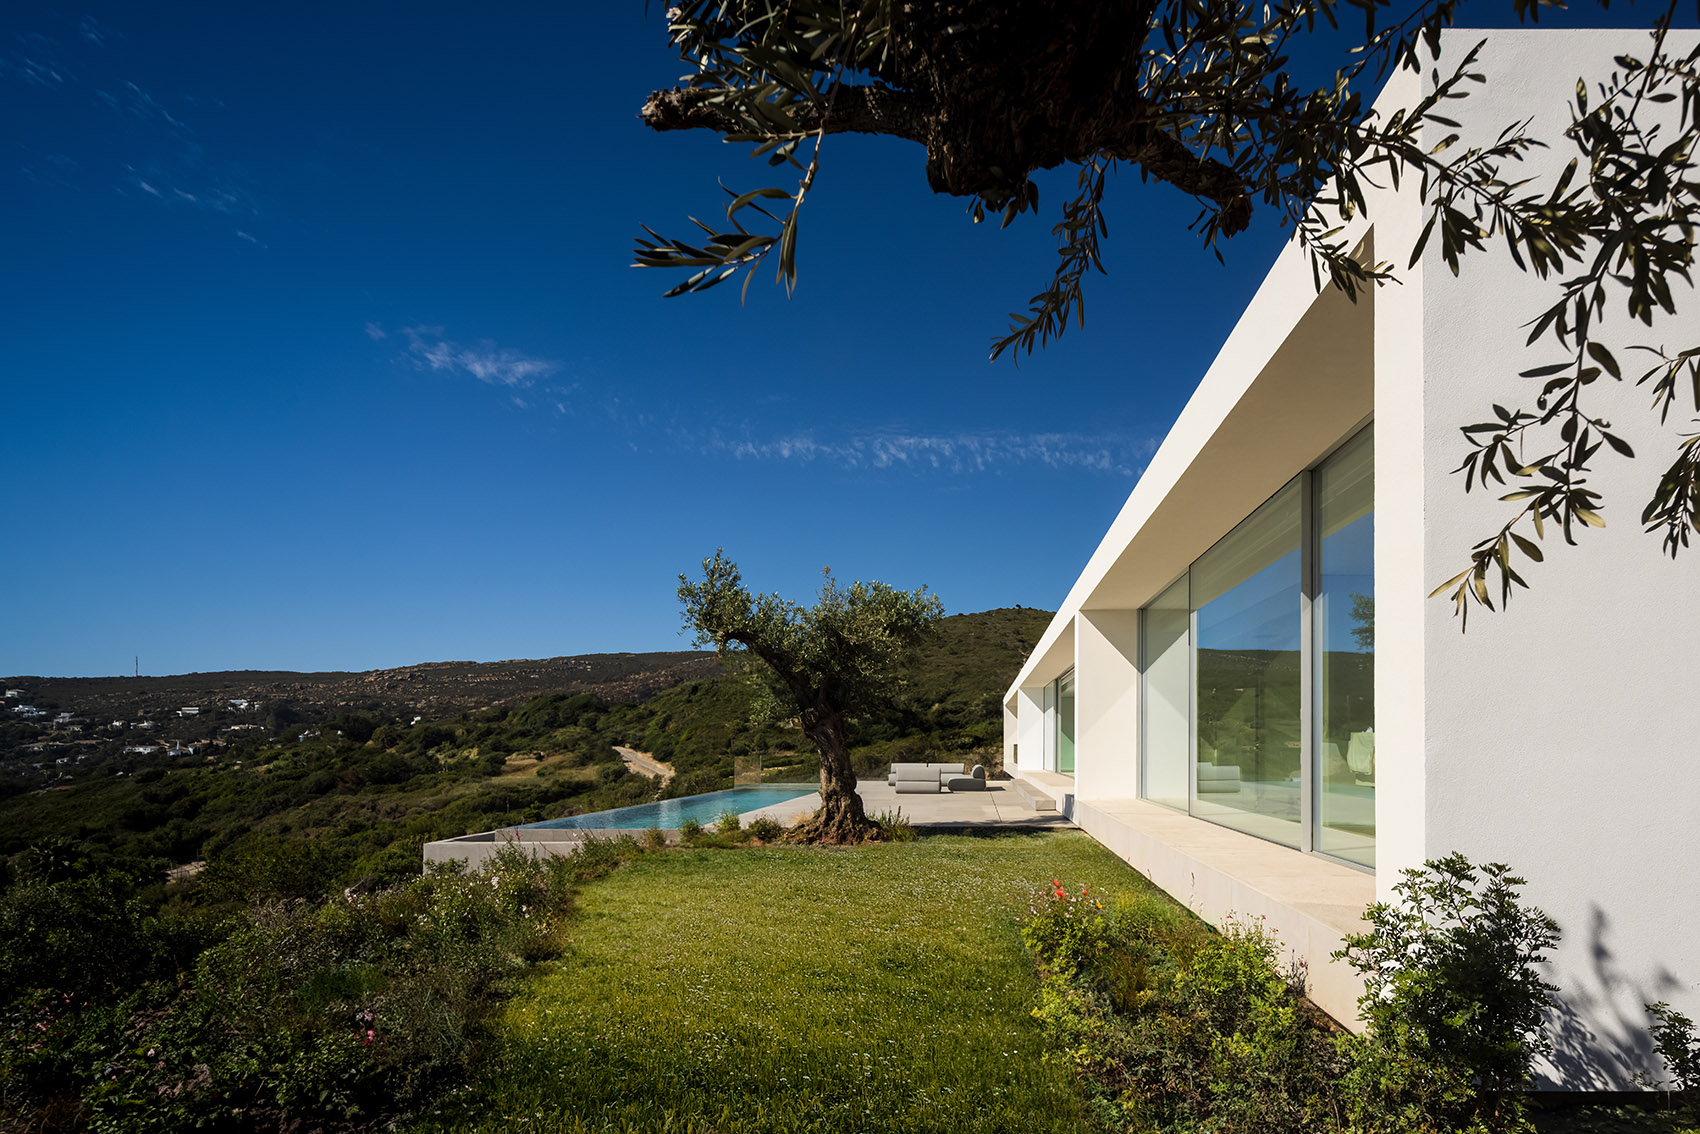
<point x="1033" y="796"/>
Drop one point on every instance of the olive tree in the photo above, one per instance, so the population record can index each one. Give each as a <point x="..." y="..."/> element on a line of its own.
<point x="1203" y="95"/>
<point x="822" y="664"/>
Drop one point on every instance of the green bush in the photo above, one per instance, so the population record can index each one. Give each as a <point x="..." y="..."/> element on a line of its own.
<point x="1066" y="931"/>
<point x="1174" y="1027"/>
<point x="259" y="867"/>
<point x="766" y="829"/>
<point x="1677" y="1045"/>
<point x="894" y="827"/>
<point x="690" y="829"/>
<point x="352" y="1011"/>
<point x="1454" y="1003"/>
<point x="728" y="822"/>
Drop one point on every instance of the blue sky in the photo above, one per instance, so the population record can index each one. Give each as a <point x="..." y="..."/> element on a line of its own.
<point x="323" y="351"/>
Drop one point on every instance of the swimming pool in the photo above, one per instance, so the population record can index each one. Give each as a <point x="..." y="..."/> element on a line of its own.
<point x="669" y="813"/>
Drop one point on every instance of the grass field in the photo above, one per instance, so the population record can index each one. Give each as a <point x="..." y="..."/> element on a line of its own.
<point x="881" y="988"/>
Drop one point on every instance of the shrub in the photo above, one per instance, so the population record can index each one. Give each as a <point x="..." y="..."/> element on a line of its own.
<point x="596" y="857"/>
<point x="1677" y="1045"/>
<point x="1173" y="1026"/>
<point x="341" y="1012"/>
<point x="303" y="1016"/>
<point x="1454" y="1003"/>
<point x="1066" y="931"/>
<point x="766" y="829"/>
<point x="728" y="822"/>
<point x="690" y="829"/>
<point x="655" y="838"/>
<point x="257" y="867"/>
<point x="894" y="827"/>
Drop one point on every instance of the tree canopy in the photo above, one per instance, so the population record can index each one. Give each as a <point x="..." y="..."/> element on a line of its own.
<point x="823" y="664"/>
<point x="1202" y="95"/>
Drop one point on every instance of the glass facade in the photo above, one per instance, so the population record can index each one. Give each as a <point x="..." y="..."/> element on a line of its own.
<point x="1065" y="723"/>
<point x="1258" y="669"/>
<point x="1245" y="601"/>
<point x="1344" y="652"/>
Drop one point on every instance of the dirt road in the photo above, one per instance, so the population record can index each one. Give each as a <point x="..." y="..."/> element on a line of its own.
<point x="644" y="764"/>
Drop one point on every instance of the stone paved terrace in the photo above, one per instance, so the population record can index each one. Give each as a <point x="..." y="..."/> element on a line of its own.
<point x="1000" y="805"/>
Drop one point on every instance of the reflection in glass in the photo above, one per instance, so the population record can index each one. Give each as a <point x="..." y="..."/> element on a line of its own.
<point x="1065" y="722"/>
<point x="1166" y="661"/>
<point x="1345" y="652"/>
<point x="1245" y="592"/>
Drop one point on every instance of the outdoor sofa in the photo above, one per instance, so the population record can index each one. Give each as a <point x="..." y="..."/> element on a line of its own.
<point x="930" y="779"/>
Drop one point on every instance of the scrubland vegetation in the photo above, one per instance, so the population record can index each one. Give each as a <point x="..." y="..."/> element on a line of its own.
<point x="234" y="940"/>
<point x="310" y="977"/>
<point x="947" y="983"/>
<point x="360" y="798"/>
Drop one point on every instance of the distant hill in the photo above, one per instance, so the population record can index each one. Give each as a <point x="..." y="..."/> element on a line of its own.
<point x="960" y="675"/>
<point x="349" y="772"/>
<point x="967" y="668"/>
<point x="431" y="689"/>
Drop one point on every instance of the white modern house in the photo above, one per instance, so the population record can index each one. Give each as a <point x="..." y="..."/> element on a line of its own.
<point x="1249" y="695"/>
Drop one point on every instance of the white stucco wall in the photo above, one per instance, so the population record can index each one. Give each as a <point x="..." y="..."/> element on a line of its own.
<point x="1559" y="735"/>
<point x="1106" y="704"/>
<point x="1010" y="722"/>
<point x="1401" y="582"/>
<point x="1030" y="728"/>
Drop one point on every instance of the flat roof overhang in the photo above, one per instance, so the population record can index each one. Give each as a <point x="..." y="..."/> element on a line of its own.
<point x="1294" y="378"/>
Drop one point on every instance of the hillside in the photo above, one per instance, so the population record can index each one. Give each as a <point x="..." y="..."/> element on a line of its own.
<point x="356" y="784"/>
<point x="434" y="689"/>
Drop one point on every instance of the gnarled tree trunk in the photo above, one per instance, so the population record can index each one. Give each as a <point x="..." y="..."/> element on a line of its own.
<point x="841" y="818"/>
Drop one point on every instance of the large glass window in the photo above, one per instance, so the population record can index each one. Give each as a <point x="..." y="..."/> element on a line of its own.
<point x="1166" y="674"/>
<point x="1344" y="609"/>
<point x="1247" y="720"/>
<point x="1246" y="600"/>
<point x="1065" y="722"/>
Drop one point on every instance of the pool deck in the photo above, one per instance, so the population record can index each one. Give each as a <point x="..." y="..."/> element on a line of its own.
<point x="1000" y="806"/>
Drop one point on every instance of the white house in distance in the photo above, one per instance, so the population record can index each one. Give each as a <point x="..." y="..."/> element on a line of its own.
<point x="1249" y="695"/>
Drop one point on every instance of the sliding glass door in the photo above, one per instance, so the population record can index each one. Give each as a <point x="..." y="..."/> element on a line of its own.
<point x="1344" y="609"/>
<point x="1063" y="742"/>
<point x="1258" y="669"/>
<point x="1245" y="600"/>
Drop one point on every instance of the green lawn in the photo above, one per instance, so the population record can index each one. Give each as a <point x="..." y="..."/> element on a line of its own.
<point x="881" y="988"/>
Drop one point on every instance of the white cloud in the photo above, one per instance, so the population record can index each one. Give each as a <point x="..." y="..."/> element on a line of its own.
<point x="94" y="31"/>
<point x="954" y="453"/>
<point x="139" y="104"/>
<point x="160" y="185"/>
<point x="375" y="332"/>
<point x="38" y="62"/>
<point x="41" y="72"/>
<point x="493" y="365"/>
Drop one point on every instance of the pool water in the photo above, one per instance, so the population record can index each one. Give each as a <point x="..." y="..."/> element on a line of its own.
<point x="669" y="813"/>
